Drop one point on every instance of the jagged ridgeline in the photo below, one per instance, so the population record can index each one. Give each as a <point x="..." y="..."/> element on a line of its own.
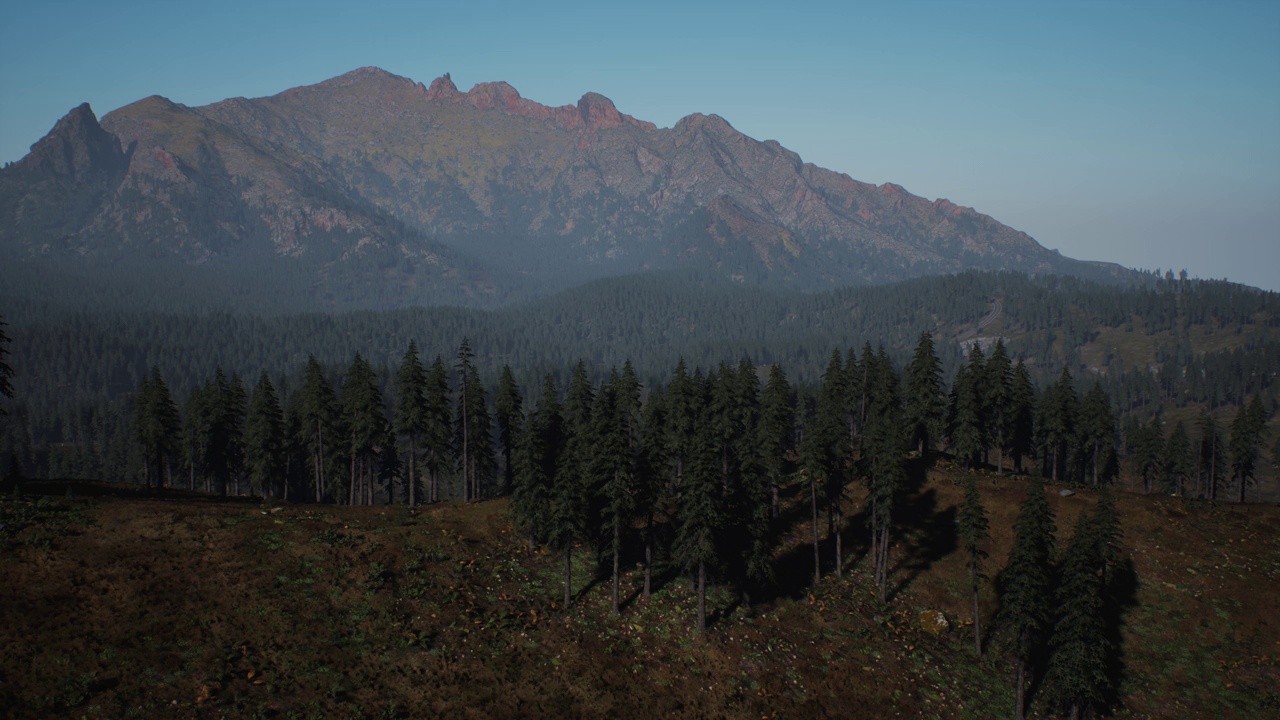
<point x="371" y="191"/>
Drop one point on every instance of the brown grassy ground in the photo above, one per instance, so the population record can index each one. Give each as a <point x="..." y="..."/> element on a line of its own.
<point x="159" y="608"/>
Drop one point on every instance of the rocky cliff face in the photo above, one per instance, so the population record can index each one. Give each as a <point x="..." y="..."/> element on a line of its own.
<point x="371" y="164"/>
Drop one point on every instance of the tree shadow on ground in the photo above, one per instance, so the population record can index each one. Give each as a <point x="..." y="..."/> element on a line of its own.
<point x="929" y="534"/>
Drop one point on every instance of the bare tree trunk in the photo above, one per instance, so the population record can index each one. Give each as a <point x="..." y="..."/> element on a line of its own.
<point x="839" y="543"/>
<point x="817" y="558"/>
<point x="617" y="538"/>
<point x="568" y="576"/>
<point x="977" y="619"/>
<point x="702" y="596"/>
<point x="648" y="553"/>
<point x="413" y="456"/>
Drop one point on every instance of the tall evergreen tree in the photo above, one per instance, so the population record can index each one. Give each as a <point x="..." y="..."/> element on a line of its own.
<point x="1147" y="442"/>
<point x="1098" y="432"/>
<point x="777" y="431"/>
<point x="966" y="426"/>
<point x="884" y="461"/>
<point x="318" y="415"/>
<point x="474" y="434"/>
<point x="1246" y="438"/>
<point x="156" y="426"/>
<point x="508" y="411"/>
<point x="411" y="412"/>
<point x="749" y="498"/>
<point x="613" y="465"/>
<point x="652" y="474"/>
<point x="264" y="439"/>
<point x="1211" y="467"/>
<point x="699" y="518"/>
<point x="365" y="419"/>
<point x="1058" y="423"/>
<point x="437" y="432"/>
<point x="536" y="462"/>
<point x="1178" y="462"/>
<point x="998" y="401"/>
<point x="1076" y="677"/>
<point x="462" y="435"/>
<point x="1022" y="412"/>
<point x="926" y="405"/>
<point x="973" y="531"/>
<point x="571" y="490"/>
<point x="1026" y="585"/>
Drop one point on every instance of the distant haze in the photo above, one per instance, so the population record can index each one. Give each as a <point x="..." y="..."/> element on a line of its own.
<point x="1144" y="134"/>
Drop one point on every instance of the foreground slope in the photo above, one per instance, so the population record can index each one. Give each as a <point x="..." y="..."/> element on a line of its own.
<point x="192" y="608"/>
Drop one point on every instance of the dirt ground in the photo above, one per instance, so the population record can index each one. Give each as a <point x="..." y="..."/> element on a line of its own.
<point x="118" y="605"/>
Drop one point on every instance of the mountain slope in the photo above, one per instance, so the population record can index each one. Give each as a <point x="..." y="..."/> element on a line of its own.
<point x="363" y="168"/>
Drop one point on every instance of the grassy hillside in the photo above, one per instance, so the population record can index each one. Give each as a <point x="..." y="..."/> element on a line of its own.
<point x="117" y="605"/>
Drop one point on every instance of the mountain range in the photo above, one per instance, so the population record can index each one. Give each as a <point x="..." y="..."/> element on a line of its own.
<point x="372" y="190"/>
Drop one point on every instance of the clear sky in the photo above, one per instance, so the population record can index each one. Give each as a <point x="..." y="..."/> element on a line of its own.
<point x="1139" y="132"/>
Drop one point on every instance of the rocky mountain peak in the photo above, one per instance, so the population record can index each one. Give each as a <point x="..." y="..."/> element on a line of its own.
<point x="598" y="111"/>
<point x="442" y="88"/>
<point x="76" y="149"/>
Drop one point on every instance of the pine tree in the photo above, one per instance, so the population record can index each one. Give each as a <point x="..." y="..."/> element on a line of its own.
<point x="1246" y="438"/>
<point x="1177" y="462"/>
<point x="652" y="486"/>
<point x="1058" y="423"/>
<point x="966" y="424"/>
<point x="264" y="438"/>
<point x="884" y="461"/>
<point x="1098" y="432"/>
<point x="1212" y="457"/>
<point x="973" y="533"/>
<point x="474" y="434"/>
<point x="537" y="457"/>
<point x="749" y="499"/>
<point x="509" y="413"/>
<point x="831" y="453"/>
<point x="156" y="425"/>
<point x="1026" y="584"/>
<point x="1148" y="443"/>
<point x="699" y="518"/>
<point x="998" y="401"/>
<point x="365" y="418"/>
<point x="411" y="411"/>
<point x="612" y="466"/>
<point x="462" y="435"/>
<point x="437" y="432"/>
<point x="777" y="430"/>
<point x="318" y="414"/>
<point x="1022" y="412"/>
<point x="926" y="404"/>
<point x="571" y="490"/>
<point x="1076" y="678"/>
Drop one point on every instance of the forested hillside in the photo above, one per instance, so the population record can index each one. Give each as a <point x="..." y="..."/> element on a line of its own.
<point x="1174" y="344"/>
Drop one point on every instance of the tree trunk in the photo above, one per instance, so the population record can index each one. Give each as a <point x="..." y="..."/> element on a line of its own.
<point x="351" y="490"/>
<point x="568" y="575"/>
<point x="977" y="620"/>
<point x="413" y="456"/>
<point x="648" y="553"/>
<point x="839" y="544"/>
<point x="617" y="539"/>
<point x="702" y="596"/>
<point x="817" y="558"/>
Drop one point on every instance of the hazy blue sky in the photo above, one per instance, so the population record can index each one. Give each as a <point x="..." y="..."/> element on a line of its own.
<point x="1143" y="133"/>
